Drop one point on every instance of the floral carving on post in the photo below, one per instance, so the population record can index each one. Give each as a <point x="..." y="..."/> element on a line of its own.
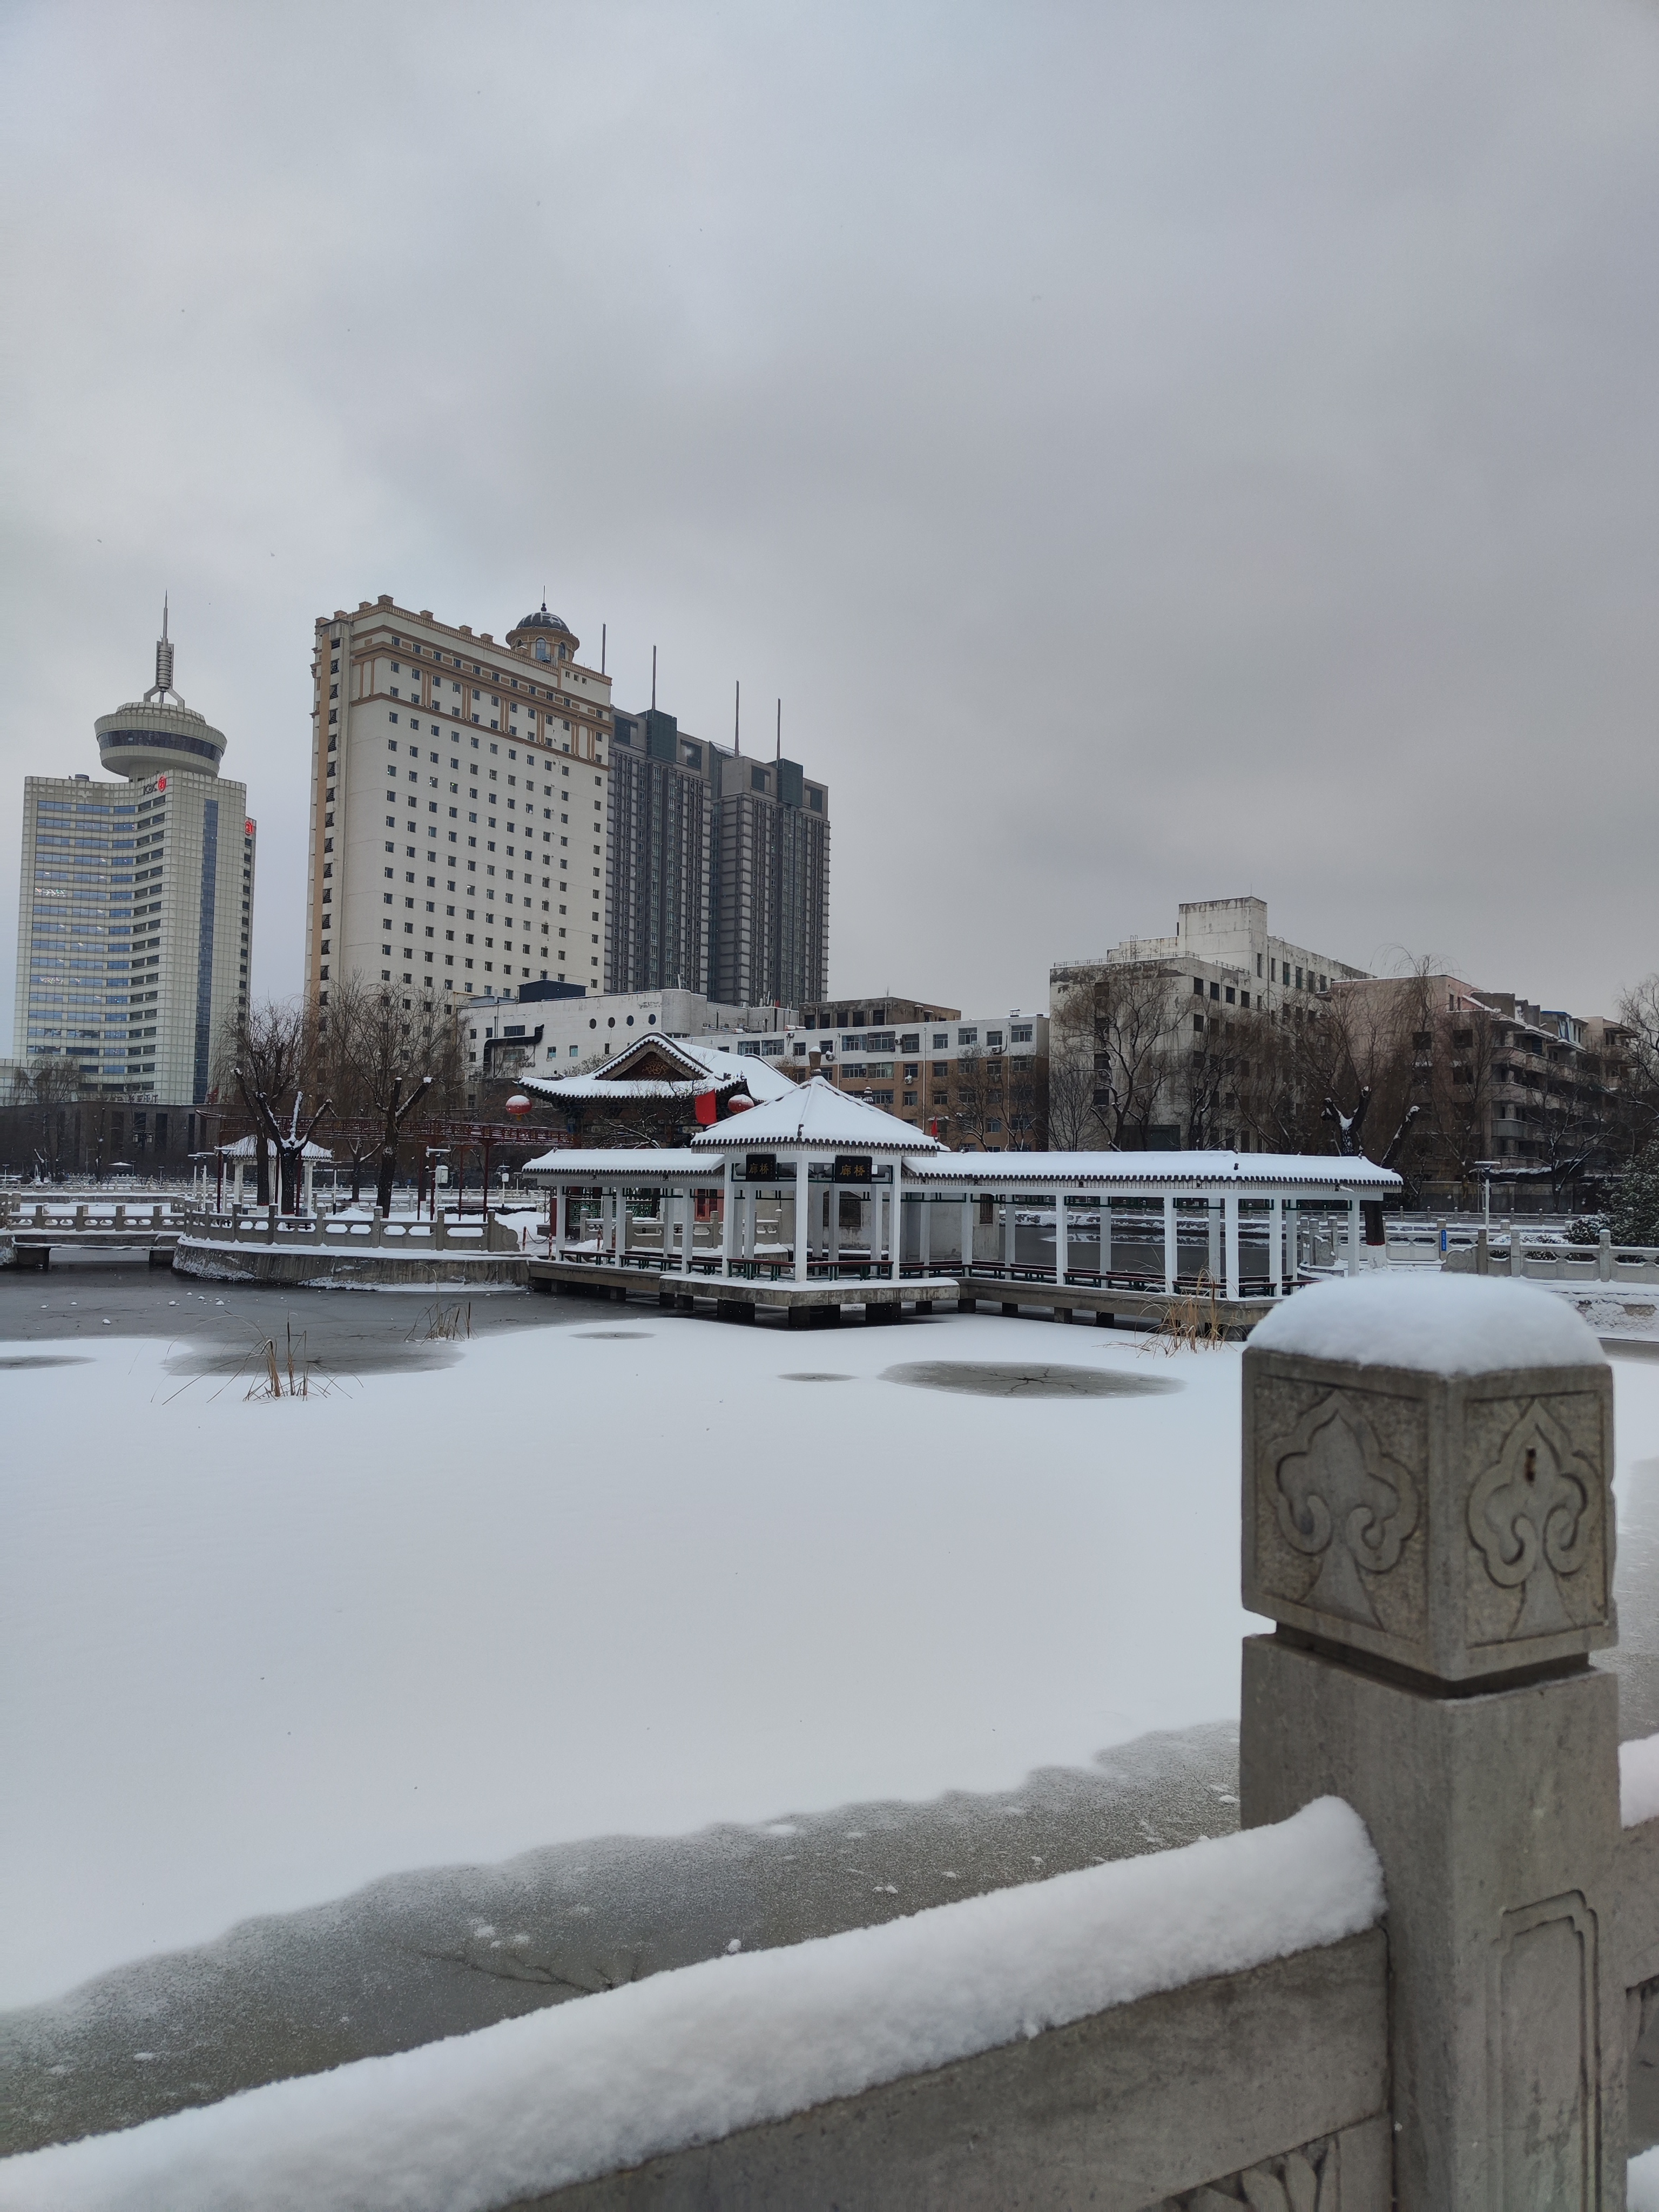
<point x="1529" y="1516"/>
<point x="1341" y="1498"/>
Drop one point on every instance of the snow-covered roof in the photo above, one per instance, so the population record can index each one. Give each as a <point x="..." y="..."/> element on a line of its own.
<point x="704" y="1068"/>
<point x="247" y="1148"/>
<point x="1178" y="1171"/>
<point x="631" y="1162"/>
<point x="817" y="1115"/>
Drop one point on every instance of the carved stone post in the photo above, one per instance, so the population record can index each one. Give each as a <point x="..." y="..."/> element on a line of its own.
<point x="1428" y="1516"/>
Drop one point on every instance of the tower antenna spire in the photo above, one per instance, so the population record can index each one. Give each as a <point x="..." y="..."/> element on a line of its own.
<point x="163" y="684"/>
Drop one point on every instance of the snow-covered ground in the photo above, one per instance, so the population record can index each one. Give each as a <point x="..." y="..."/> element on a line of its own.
<point x="616" y="1576"/>
<point x="622" y="1576"/>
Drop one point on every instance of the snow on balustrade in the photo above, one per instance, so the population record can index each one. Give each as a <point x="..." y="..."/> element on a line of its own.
<point x="531" y="2105"/>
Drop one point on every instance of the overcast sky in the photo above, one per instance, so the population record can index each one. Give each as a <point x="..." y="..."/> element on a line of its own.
<point x="1155" y="451"/>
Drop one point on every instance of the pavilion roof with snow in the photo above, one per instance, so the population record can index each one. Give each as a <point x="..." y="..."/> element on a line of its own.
<point x="815" y="1117"/>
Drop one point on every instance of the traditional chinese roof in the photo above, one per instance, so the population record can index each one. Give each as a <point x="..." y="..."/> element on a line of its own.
<point x="657" y="1066"/>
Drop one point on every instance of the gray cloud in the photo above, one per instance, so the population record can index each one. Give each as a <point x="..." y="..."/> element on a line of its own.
<point x="1155" y="451"/>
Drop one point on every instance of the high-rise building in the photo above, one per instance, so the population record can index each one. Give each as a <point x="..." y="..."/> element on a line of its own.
<point x="663" y="805"/>
<point x="719" y="869"/>
<point x="136" y="905"/>
<point x="460" y="805"/>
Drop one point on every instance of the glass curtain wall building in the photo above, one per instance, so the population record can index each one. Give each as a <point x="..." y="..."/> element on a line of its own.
<point x="136" y="905"/>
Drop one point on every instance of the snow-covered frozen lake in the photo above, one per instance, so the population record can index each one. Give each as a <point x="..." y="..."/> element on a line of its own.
<point x="624" y="1575"/>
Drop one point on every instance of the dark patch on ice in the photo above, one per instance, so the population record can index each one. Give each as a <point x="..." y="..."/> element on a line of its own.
<point x="617" y="1335"/>
<point x="1002" y="1379"/>
<point x="48" y="1360"/>
<point x="363" y="1357"/>
<point x="810" y="1376"/>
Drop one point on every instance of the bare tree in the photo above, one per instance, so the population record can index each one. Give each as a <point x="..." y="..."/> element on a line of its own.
<point x="1638" y="1103"/>
<point x="267" y="1052"/>
<point x="393" y="1054"/>
<point x="55" y="1091"/>
<point x="1113" y="1034"/>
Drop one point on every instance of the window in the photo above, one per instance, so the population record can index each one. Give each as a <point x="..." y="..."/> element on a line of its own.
<point x="941" y="1043"/>
<point x="1198" y="986"/>
<point x="1233" y="996"/>
<point x="967" y="1037"/>
<point x="1198" y="1025"/>
<point x="1215" y="990"/>
<point x="1021" y="1033"/>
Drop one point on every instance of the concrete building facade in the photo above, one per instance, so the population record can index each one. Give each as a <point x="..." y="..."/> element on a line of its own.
<point x="536" y="1032"/>
<point x="136" y="905"/>
<point x="1145" y="1036"/>
<point x="976" y="1083"/>
<point x="460" y="805"/>
<point x="719" y="869"/>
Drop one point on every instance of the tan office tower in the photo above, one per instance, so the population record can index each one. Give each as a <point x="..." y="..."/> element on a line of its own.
<point x="459" y="799"/>
<point x="136" y="904"/>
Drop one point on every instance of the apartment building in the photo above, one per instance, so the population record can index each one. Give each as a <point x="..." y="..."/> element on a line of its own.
<point x="1145" y="1035"/>
<point x="719" y="869"/>
<point x="1503" y="1087"/>
<point x="460" y="805"/>
<point x="136" y="904"/>
<point x="978" y="1084"/>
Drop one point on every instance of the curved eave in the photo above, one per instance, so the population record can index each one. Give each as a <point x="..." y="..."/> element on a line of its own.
<point x="624" y="1087"/>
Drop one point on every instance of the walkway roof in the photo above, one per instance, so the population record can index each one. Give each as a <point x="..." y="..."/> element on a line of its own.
<point x="1243" y="1172"/>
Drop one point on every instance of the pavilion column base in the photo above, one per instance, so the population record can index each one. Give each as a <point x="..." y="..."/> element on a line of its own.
<point x="735" y="1308"/>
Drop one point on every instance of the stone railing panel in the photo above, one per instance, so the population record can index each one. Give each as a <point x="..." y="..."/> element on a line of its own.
<point x="1135" y="2107"/>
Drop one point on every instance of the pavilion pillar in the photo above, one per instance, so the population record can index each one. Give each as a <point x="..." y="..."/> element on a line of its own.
<point x="803" y="1216"/>
<point x="967" y="1236"/>
<point x="725" y="1217"/>
<point x="1276" y="1245"/>
<point x="1172" y="1244"/>
<point x="924" y="1232"/>
<point x="1292" y="1257"/>
<point x="1353" y="1236"/>
<point x="1062" y="1239"/>
<point x="1230" y="1239"/>
<point x="1010" y="1229"/>
<point x="895" y="1210"/>
<point x="307" y="1177"/>
<point x="1105" y="1254"/>
<point x="1212" y="1225"/>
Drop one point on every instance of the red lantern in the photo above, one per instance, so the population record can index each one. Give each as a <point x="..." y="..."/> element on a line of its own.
<point x="707" y="1106"/>
<point x="738" y="1104"/>
<point x="518" y="1105"/>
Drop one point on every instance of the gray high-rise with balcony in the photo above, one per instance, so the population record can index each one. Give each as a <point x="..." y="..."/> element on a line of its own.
<point x="136" y="905"/>
<point x="719" y="869"/>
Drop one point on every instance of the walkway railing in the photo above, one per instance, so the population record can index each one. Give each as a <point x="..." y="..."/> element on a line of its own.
<point x="336" y="1232"/>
